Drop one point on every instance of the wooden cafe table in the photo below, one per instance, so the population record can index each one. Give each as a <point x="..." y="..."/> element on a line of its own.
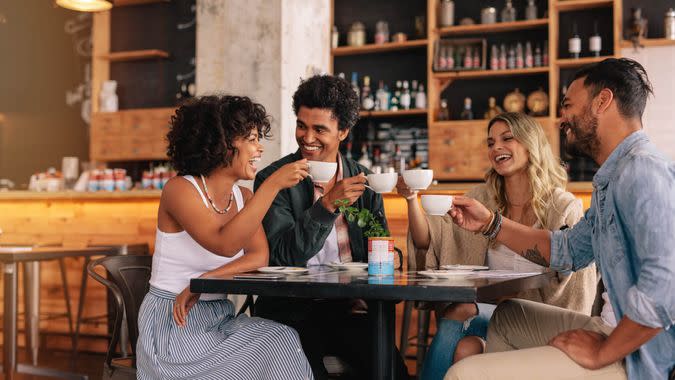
<point x="381" y="294"/>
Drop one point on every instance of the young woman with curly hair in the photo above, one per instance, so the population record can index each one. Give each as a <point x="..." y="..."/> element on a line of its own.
<point x="209" y="227"/>
<point x="526" y="182"/>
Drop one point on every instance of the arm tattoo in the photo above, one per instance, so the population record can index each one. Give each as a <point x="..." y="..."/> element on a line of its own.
<point x="535" y="256"/>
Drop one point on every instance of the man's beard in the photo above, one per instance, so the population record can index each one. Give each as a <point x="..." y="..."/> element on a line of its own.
<point x="584" y="129"/>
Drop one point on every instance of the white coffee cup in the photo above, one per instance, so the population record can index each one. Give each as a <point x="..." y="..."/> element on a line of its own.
<point x="321" y="172"/>
<point x="418" y="179"/>
<point x="382" y="182"/>
<point x="437" y="204"/>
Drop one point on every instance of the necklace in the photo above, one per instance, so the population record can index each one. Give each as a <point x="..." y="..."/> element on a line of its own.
<point x="216" y="209"/>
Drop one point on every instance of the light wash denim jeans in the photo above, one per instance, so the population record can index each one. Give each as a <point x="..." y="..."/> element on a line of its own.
<point x="448" y="333"/>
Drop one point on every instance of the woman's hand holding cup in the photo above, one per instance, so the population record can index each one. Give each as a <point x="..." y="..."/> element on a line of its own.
<point x="290" y="174"/>
<point x="405" y="191"/>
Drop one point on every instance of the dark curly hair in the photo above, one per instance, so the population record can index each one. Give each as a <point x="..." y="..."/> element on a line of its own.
<point x="204" y="129"/>
<point x="329" y="92"/>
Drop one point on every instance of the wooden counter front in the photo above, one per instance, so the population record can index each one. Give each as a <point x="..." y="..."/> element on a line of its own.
<point x="75" y="219"/>
<point x="78" y="219"/>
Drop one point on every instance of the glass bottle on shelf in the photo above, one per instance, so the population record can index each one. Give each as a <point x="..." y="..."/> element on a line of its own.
<point x="377" y="160"/>
<point x="476" y="58"/>
<point x="494" y="58"/>
<point x="468" y="58"/>
<point x="502" y="57"/>
<point x="531" y="10"/>
<point x="364" y="159"/>
<point x="382" y="97"/>
<point x="595" y="42"/>
<point x="348" y="153"/>
<point x="443" y="112"/>
<point x="509" y="12"/>
<point x="443" y="59"/>
<point x="467" y="113"/>
<point x="413" y="93"/>
<point x="405" y="99"/>
<point x="367" y="100"/>
<point x="520" y="59"/>
<point x="334" y="37"/>
<point x="399" y="160"/>
<point x="574" y="43"/>
<point x="355" y="85"/>
<point x="458" y="57"/>
<point x="511" y="61"/>
<point x="381" y="32"/>
<point x="395" y="99"/>
<point x="544" y="55"/>
<point x="529" y="61"/>
<point x="450" y="57"/>
<point x="421" y="98"/>
<point x="537" y="56"/>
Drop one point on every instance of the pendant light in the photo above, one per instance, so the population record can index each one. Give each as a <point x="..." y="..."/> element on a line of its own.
<point x="85" y="5"/>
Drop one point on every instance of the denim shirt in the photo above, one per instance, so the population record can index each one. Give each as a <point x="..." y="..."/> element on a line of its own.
<point x="629" y="231"/>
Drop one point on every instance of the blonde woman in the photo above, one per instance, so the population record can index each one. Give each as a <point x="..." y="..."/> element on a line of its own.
<point x="527" y="184"/>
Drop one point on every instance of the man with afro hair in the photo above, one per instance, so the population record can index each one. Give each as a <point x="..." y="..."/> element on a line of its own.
<point x="304" y="227"/>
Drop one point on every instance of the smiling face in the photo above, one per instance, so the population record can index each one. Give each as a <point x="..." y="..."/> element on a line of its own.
<point x="248" y="153"/>
<point x="578" y="123"/>
<point x="317" y="134"/>
<point x="507" y="156"/>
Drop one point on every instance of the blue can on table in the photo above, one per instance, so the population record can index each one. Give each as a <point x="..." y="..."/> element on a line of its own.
<point x="380" y="256"/>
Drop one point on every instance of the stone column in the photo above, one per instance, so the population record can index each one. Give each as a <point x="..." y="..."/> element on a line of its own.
<point x="262" y="49"/>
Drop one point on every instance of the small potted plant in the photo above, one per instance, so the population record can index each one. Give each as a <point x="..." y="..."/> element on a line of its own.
<point x="380" y="243"/>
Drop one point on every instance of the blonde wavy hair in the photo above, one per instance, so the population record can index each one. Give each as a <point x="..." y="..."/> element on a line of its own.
<point x="544" y="170"/>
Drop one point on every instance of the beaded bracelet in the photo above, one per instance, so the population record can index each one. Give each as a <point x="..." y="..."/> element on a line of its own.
<point x="492" y="220"/>
<point x="491" y="225"/>
<point x="497" y="226"/>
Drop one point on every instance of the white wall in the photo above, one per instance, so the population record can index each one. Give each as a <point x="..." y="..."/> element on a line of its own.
<point x="261" y="49"/>
<point x="659" y="117"/>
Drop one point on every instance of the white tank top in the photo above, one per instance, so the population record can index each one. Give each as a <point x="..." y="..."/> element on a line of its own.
<point x="178" y="257"/>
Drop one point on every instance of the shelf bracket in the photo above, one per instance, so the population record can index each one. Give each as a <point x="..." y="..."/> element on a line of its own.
<point x="443" y="84"/>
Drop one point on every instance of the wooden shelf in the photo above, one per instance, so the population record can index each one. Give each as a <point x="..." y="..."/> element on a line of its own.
<point x="577" y="5"/>
<point x="126" y="3"/>
<point x="468" y="74"/>
<point x="134" y="55"/>
<point x="411" y="112"/>
<point x="649" y="42"/>
<point x="493" y="28"/>
<point x="377" y="48"/>
<point x="544" y="120"/>
<point x="570" y="63"/>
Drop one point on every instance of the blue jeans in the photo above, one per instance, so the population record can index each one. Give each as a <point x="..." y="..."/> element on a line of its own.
<point x="449" y="332"/>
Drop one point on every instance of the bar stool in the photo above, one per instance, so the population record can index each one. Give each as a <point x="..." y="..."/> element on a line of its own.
<point x="31" y="296"/>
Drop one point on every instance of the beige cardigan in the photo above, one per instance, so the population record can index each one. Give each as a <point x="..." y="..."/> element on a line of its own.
<point x="452" y="245"/>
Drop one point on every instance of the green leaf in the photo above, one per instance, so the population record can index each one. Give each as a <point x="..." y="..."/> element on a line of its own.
<point x="361" y="222"/>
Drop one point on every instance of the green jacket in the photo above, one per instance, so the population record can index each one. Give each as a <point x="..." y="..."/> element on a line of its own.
<point x="297" y="227"/>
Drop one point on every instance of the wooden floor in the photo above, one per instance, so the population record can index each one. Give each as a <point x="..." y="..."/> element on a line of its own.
<point x="91" y="364"/>
<point x="87" y="363"/>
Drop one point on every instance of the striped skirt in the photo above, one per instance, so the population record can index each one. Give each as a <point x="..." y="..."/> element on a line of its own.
<point x="214" y="344"/>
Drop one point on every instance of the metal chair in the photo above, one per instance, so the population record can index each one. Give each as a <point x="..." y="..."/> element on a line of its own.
<point x="128" y="283"/>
